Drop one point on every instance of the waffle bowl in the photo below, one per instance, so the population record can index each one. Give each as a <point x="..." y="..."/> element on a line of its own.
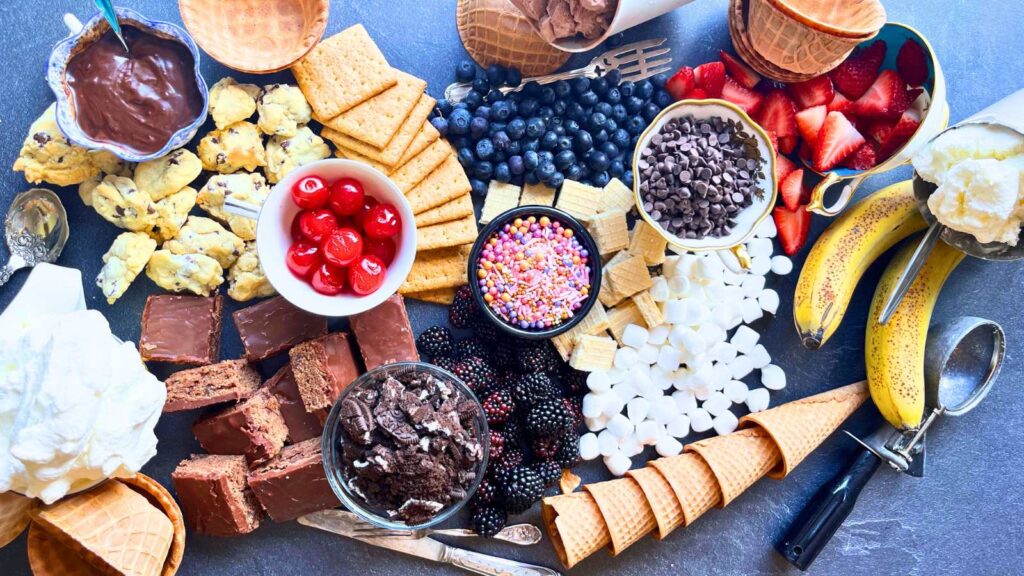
<point x="255" y="36"/>
<point x="496" y="32"/>
<point x="15" y="511"/>
<point x="741" y="43"/>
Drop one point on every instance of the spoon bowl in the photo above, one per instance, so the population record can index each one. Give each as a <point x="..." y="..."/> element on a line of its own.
<point x="36" y="230"/>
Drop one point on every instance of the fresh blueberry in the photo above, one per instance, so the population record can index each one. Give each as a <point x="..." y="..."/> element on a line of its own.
<point x="530" y="160"/>
<point x="528" y="107"/>
<point x="559" y="108"/>
<point x="513" y="108"/>
<point x="555" y="121"/>
<point x="584" y="172"/>
<point x="588" y="99"/>
<point x="564" y="159"/>
<point x="473" y="100"/>
<point x="465" y="71"/>
<point x="633" y="105"/>
<point x="485" y="149"/>
<point x="598" y="161"/>
<point x="650" y="111"/>
<point x="466" y="157"/>
<point x="530" y="178"/>
<point x="559" y="131"/>
<point x="535" y="128"/>
<point x="662" y="98"/>
<point x="644" y="89"/>
<point x="501" y="141"/>
<point x="613" y="77"/>
<point x="599" y="86"/>
<point x="545" y="112"/>
<point x="571" y="127"/>
<point x="580" y="85"/>
<point x="496" y="74"/>
<point x="600" y="137"/>
<point x="659" y="80"/>
<point x="611" y="125"/>
<point x="582" y="142"/>
<point x="515" y="148"/>
<point x="619" y="113"/>
<point x="596" y="121"/>
<point x="499" y="156"/>
<point x="516" y="165"/>
<point x="549" y="140"/>
<point x="461" y="141"/>
<point x="482" y="112"/>
<point x="547" y="95"/>
<point x="439" y="123"/>
<point x="443" y="107"/>
<point x="604" y="108"/>
<point x="620" y="138"/>
<point x="574" y="172"/>
<point x="495" y="128"/>
<point x="610" y="149"/>
<point x="556" y="180"/>
<point x="502" y="172"/>
<point x="562" y="88"/>
<point x="564" y="143"/>
<point x="481" y="85"/>
<point x="458" y="122"/>
<point x="479" y="187"/>
<point x="546" y="156"/>
<point x="460" y="106"/>
<point x="531" y="145"/>
<point x="494" y="96"/>
<point x="545" y="171"/>
<point x="516" y="128"/>
<point x="613" y="96"/>
<point x="626" y="89"/>
<point x="600" y="179"/>
<point x="627" y="178"/>
<point x="635" y="125"/>
<point x="617" y="169"/>
<point x="531" y="88"/>
<point x="478" y="127"/>
<point x="499" y="111"/>
<point x="574" y="111"/>
<point x="513" y="77"/>
<point x="483" y="169"/>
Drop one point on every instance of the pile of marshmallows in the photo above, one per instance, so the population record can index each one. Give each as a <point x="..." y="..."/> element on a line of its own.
<point x="686" y="373"/>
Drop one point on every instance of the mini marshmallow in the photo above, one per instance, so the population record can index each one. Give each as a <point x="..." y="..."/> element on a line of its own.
<point x="659" y="334"/>
<point x="593" y="404"/>
<point x="675" y="311"/>
<point x="716" y="404"/>
<point x="631" y="446"/>
<point x="760" y="247"/>
<point x="625" y="358"/>
<point x="751" y="310"/>
<point x="685" y="401"/>
<point x="678" y="286"/>
<point x="724" y="314"/>
<point x="616" y="375"/>
<point x="607" y="444"/>
<point x="613" y="406"/>
<point x="769" y="301"/>
<point x="596" y="424"/>
<point x="734" y="278"/>
<point x="731" y="262"/>
<point x="773" y="377"/>
<point x="766" y="229"/>
<point x="723" y="373"/>
<point x="648" y="354"/>
<point x="678" y="427"/>
<point x="649" y="432"/>
<point x="711" y="334"/>
<point x="662" y="378"/>
<point x="635" y="336"/>
<point x="670" y="266"/>
<point x="709" y="267"/>
<point x="703" y="376"/>
<point x="735" y="391"/>
<point x="733" y="294"/>
<point x="700" y="420"/>
<point x="681" y="381"/>
<point x="637" y="409"/>
<point x="664" y="411"/>
<point x="745" y="339"/>
<point x="702" y="393"/>
<point x="598" y="382"/>
<point x="722" y="352"/>
<point x="669" y="358"/>
<point x="757" y="399"/>
<point x="619" y="426"/>
<point x="618" y="464"/>
<point x="589" y="448"/>
<point x="668" y="446"/>
<point x="659" y="289"/>
<point x="759" y="357"/>
<point x="725" y="423"/>
<point x="652" y="393"/>
<point x="692" y="342"/>
<point x="781" y="265"/>
<point x="760" y="265"/>
<point x="752" y="285"/>
<point x="625" y="392"/>
<point x="741" y="366"/>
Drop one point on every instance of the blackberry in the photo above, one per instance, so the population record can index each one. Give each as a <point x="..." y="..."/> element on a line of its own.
<point x="498" y="407"/>
<point x="510" y="458"/>
<point x="497" y="445"/>
<point x="568" y="455"/>
<point x="476" y="373"/>
<point x="502" y="354"/>
<point x="446" y="362"/>
<point x="545" y="447"/>
<point x="486" y="493"/>
<point x="435" y="341"/>
<point x="488" y="521"/>
<point x="513" y="433"/>
<point x="482" y="328"/>
<point x="549" y="472"/>
<point x="471" y="347"/>
<point x="548" y="418"/>
<point x="575" y="406"/>
<point x="530" y="389"/>
<point x="522" y="487"/>
<point x="463" y="309"/>
<point x="574" y="381"/>
<point x="537" y="357"/>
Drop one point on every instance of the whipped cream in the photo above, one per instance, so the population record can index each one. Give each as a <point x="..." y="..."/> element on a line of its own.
<point x="76" y="406"/>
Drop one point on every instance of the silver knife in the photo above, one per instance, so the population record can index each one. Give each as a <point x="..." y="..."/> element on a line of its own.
<point x="343" y="523"/>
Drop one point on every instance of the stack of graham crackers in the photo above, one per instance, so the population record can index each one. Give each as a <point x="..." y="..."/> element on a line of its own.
<point x="378" y="115"/>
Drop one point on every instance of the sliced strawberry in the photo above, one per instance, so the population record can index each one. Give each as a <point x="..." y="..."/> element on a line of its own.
<point x="778" y="114"/>
<point x="862" y="158"/>
<point x="783" y="167"/>
<point x="813" y="92"/>
<point x="792" y="189"/>
<point x="837" y="140"/>
<point x="887" y="97"/>
<point x="805" y="152"/>
<point x="710" y="77"/>
<point x="746" y="99"/>
<point x="681" y="83"/>
<point x="787" y="144"/>
<point x="810" y="121"/>
<point x="697" y="94"/>
<point x="739" y="71"/>
<point x="854" y="76"/>
<point x="912" y="63"/>
<point x="879" y="130"/>
<point x="899" y="135"/>
<point x="793" y="227"/>
<point x="840" y="103"/>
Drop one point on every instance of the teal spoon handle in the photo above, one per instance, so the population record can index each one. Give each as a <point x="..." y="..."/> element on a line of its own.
<point x="107" y="8"/>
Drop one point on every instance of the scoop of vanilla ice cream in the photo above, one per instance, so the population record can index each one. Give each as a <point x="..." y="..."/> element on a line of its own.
<point x="966" y="142"/>
<point x="983" y="198"/>
<point x="76" y="406"/>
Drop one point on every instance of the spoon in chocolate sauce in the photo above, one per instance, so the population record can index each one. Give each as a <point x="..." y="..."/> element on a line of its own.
<point x="36" y="229"/>
<point x="107" y="9"/>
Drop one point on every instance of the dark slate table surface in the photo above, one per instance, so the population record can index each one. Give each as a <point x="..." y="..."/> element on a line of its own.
<point x="961" y="518"/>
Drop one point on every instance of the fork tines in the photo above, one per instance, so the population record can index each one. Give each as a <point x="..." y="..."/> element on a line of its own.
<point x="636" y="61"/>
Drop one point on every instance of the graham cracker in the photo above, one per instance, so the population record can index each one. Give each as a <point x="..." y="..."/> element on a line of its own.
<point x="648" y="243"/>
<point x="343" y="71"/>
<point x="649" y="309"/>
<point x="414" y="171"/>
<point x="446" y="234"/>
<point x="435" y="269"/>
<point x="350" y="155"/>
<point x="423" y="138"/>
<point x="376" y="120"/>
<point x="500" y="197"/>
<point x="437" y="296"/>
<point x="453" y="210"/>
<point x="395" y="149"/>
<point x="623" y="315"/>
<point x="537" y="195"/>
<point x="446" y="183"/>
<point x="617" y="197"/>
<point x="629" y="276"/>
<point x="610" y="231"/>
<point x="580" y="200"/>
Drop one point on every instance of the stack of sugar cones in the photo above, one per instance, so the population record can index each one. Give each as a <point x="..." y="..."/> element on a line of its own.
<point x="496" y="32"/>
<point x="673" y="492"/>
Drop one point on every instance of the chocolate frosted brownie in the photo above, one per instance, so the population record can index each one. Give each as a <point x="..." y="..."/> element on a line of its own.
<point x="222" y="382"/>
<point x="275" y="325"/>
<point x="302" y="425"/>
<point x="323" y="368"/>
<point x="384" y="334"/>
<point x="181" y="329"/>
<point x="294" y="483"/>
<point x="214" y="496"/>
<point x="253" y="428"/>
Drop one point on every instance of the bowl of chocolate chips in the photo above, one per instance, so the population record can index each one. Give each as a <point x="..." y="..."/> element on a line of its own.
<point x="405" y="445"/>
<point x="704" y="175"/>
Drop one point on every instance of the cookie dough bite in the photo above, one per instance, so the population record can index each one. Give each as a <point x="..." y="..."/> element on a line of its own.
<point x="168" y="174"/>
<point x="47" y="156"/>
<point x="287" y="154"/>
<point x="282" y="110"/>
<point x="246" y="279"/>
<point x="232" y="102"/>
<point x="86" y="189"/>
<point x="194" y="273"/>
<point x="109" y="163"/>
<point x="251" y="188"/>
<point x="236" y="147"/>
<point x="119" y="201"/>
<point x="205" y="236"/>
<point x="123" y="263"/>
<point x="172" y="212"/>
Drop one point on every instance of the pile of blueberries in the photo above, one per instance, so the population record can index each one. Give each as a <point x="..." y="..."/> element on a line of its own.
<point x="582" y="129"/>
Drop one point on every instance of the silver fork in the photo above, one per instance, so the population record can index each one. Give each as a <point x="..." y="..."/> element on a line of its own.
<point x="519" y="534"/>
<point x="635" y="61"/>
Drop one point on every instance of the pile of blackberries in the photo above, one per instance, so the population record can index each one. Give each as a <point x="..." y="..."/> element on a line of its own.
<point x="581" y="129"/>
<point x="532" y="400"/>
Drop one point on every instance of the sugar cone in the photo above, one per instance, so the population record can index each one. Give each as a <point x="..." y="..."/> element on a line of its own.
<point x="496" y="32"/>
<point x="738" y="460"/>
<point x="693" y="482"/>
<point x="575" y="525"/>
<point x="668" y="512"/>
<point x="741" y="43"/>
<point x="800" y="426"/>
<point x="48" y="557"/>
<point x="625" y="510"/>
<point x="14" y="515"/>
<point x="849" y="18"/>
<point x="112" y="527"/>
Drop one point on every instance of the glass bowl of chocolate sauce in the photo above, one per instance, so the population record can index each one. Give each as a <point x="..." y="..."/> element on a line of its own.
<point x="139" y="104"/>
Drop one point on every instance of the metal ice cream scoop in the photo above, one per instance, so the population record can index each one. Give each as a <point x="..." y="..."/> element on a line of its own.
<point x="36" y="229"/>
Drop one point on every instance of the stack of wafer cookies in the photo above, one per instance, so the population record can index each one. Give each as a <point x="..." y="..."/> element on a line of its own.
<point x="673" y="492"/>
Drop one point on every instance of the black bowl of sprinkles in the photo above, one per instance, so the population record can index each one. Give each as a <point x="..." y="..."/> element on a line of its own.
<point x="535" y="272"/>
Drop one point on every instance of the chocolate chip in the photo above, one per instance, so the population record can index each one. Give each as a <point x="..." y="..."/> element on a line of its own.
<point x="41" y="138"/>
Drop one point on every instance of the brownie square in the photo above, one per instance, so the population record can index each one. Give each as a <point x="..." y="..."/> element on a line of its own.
<point x="253" y="428"/>
<point x="275" y="325"/>
<point x="384" y="334"/>
<point x="214" y="496"/>
<point x="181" y="329"/>
<point x="222" y="382"/>
<point x="294" y="483"/>
<point x="302" y="425"/>
<point x="322" y="369"/>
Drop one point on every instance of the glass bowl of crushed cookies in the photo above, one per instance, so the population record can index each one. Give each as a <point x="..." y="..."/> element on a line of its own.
<point x="704" y="175"/>
<point x="405" y="446"/>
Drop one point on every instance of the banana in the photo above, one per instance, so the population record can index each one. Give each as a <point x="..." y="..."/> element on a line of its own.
<point x="894" y="352"/>
<point x="844" y="251"/>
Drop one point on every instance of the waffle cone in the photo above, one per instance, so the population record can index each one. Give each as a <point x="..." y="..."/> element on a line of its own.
<point x="738" y="460"/>
<point x="850" y="18"/>
<point x="800" y="426"/>
<point x="496" y="32"/>
<point x="741" y="43"/>
<point x="48" y="557"/>
<point x="668" y="512"/>
<point x="575" y="525"/>
<point x="255" y="36"/>
<point x="15" y="512"/>
<point x="693" y="483"/>
<point x="162" y="499"/>
<point x="625" y="510"/>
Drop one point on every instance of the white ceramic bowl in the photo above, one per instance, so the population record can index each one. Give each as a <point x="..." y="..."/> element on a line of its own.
<point x="273" y="238"/>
